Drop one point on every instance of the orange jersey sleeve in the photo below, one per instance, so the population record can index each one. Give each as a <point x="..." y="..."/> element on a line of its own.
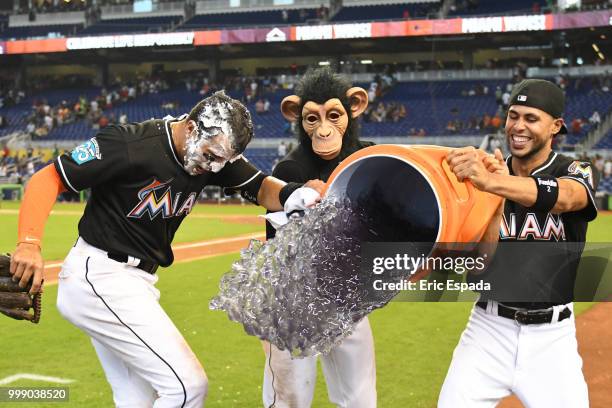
<point x="38" y="200"/>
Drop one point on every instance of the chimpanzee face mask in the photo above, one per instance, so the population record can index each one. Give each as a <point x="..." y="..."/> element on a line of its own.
<point x="325" y="123"/>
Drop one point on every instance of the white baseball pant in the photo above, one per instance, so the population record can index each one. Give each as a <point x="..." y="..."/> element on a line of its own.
<point x="349" y="369"/>
<point x="145" y="358"/>
<point x="496" y="356"/>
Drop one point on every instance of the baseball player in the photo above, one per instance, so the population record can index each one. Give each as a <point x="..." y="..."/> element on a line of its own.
<point x="527" y="348"/>
<point x="144" y="178"/>
<point x="326" y="108"/>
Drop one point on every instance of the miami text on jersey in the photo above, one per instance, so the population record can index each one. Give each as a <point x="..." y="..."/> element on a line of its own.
<point x="553" y="228"/>
<point x="166" y="204"/>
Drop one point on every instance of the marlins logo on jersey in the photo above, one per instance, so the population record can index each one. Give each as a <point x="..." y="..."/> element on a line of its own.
<point x="154" y="202"/>
<point x="582" y="169"/>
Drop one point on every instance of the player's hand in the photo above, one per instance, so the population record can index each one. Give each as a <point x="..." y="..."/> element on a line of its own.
<point x="467" y="164"/>
<point x="317" y="185"/>
<point x="27" y="263"/>
<point x="495" y="163"/>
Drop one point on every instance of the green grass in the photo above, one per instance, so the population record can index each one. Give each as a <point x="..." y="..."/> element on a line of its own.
<point x="62" y="229"/>
<point x="412" y="352"/>
<point x="414" y="341"/>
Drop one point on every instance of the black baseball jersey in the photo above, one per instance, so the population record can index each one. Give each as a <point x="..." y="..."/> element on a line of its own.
<point x="140" y="192"/>
<point x="300" y="165"/>
<point x="543" y="272"/>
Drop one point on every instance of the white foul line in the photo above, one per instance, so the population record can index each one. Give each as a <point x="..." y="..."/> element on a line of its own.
<point x="259" y="235"/>
<point x="218" y="241"/>
<point x="35" y="377"/>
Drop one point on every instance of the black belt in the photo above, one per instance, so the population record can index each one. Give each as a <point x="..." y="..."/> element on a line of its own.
<point x="149" y="267"/>
<point x="527" y="316"/>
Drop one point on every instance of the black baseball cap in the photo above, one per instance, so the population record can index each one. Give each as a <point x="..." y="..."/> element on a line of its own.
<point x="540" y="94"/>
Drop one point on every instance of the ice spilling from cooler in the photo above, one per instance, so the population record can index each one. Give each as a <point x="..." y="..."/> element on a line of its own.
<point x="304" y="290"/>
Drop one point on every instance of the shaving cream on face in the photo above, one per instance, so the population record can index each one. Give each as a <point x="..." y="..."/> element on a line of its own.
<point x="213" y="121"/>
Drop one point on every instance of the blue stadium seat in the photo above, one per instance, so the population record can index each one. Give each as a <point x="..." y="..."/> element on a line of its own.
<point x="132" y="25"/>
<point x="40" y="31"/>
<point x="605" y="142"/>
<point x="429" y="105"/>
<point x="496" y="7"/>
<point x="386" y="12"/>
<point x="250" y="18"/>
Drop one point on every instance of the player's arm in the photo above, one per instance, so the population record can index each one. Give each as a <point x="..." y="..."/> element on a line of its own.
<point x="494" y="164"/>
<point x="255" y="186"/>
<point x="566" y="194"/>
<point x="289" y="171"/>
<point x="572" y="196"/>
<point x="95" y="161"/>
<point x="273" y="191"/>
<point x="39" y="198"/>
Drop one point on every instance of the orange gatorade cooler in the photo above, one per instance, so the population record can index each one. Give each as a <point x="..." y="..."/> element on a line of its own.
<point x="414" y="188"/>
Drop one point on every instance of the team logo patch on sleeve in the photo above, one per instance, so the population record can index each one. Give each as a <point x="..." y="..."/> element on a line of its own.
<point x="88" y="151"/>
<point x="582" y="169"/>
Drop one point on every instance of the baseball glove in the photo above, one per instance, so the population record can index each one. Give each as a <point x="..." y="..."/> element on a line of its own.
<point x="16" y="302"/>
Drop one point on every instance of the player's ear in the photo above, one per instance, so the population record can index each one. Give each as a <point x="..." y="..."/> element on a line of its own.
<point x="556" y="126"/>
<point x="358" y="99"/>
<point x="290" y="108"/>
<point x="190" y="125"/>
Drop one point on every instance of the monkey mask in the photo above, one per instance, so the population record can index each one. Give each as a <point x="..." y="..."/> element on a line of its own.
<point x="326" y="123"/>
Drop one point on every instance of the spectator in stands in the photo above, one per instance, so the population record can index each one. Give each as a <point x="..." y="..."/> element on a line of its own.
<point x="372" y="92"/>
<point x="254" y="88"/>
<point x="485" y="123"/>
<point x="599" y="163"/>
<point x="379" y="114"/>
<point x="576" y="126"/>
<point x="31" y="129"/>
<point x="266" y="105"/>
<point x="506" y="98"/>
<point x="170" y="105"/>
<point x="94" y="118"/>
<point x="6" y="152"/>
<point x="595" y="119"/>
<point x="30" y="168"/>
<point x="259" y="106"/>
<point x="48" y="122"/>
<point x="3" y="122"/>
<point x="103" y="122"/>
<point x="323" y="13"/>
<point x="281" y="150"/>
<point x="607" y="168"/>
<point x="496" y="122"/>
<point x="422" y="132"/>
<point x="498" y="96"/>
<point x="398" y="112"/>
<point x="123" y="119"/>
